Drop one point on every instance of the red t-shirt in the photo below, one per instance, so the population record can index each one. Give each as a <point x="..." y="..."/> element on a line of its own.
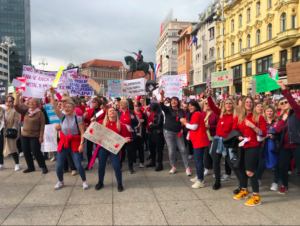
<point x="126" y="120"/>
<point x="199" y="136"/>
<point x="150" y="119"/>
<point x="113" y="126"/>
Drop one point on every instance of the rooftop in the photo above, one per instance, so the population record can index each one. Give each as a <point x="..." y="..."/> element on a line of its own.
<point x="103" y="64"/>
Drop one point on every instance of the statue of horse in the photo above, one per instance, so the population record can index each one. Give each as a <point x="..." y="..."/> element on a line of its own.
<point x="133" y="66"/>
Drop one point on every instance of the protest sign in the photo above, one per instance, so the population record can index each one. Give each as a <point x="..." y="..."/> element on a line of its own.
<point x="156" y="93"/>
<point x="114" y="88"/>
<point x="208" y="82"/>
<point x="36" y="80"/>
<point x="222" y="78"/>
<point x="253" y="87"/>
<point x="107" y="95"/>
<point x="3" y="89"/>
<point x="134" y="87"/>
<point x="94" y="85"/>
<point x="172" y="85"/>
<point x="49" y="144"/>
<point x="150" y="87"/>
<point x="77" y="85"/>
<point x="105" y="137"/>
<point x="11" y="89"/>
<point x="264" y="83"/>
<point x="16" y="83"/>
<point x="51" y="114"/>
<point x="57" y="77"/>
<point x="184" y="80"/>
<point x="22" y="88"/>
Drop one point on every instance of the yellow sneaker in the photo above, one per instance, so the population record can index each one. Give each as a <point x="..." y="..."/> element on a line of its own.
<point x="254" y="201"/>
<point x="242" y="195"/>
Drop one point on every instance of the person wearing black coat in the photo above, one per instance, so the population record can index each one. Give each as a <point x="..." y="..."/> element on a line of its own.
<point x="157" y="137"/>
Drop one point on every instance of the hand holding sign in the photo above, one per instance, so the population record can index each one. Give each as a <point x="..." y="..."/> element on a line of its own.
<point x="281" y="84"/>
<point x="162" y="93"/>
<point x="208" y="93"/>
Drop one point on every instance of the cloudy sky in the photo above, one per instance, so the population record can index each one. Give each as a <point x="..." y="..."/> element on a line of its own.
<point x="83" y="30"/>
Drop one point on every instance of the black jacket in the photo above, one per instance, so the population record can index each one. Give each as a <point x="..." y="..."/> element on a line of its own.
<point x="293" y="126"/>
<point x="134" y="123"/>
<point x="232" y="141"/>
<point x="156" y="128"/>
<point x="171" y="124"/>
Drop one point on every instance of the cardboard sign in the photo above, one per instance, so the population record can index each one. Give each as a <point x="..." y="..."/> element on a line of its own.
<point x="172" y="85"/>
<point x="51" y="114"/>
<point x="184" y="80"/>
<point x="293" y="71"/>
<point x="3" y="89"/>
<point x="57" y="77"/>
<point x="16" y="83"/>
<point x="49" y="144"/>
<point x="107" y="95"/>
<point x="222" y="78"/>
<point x="114" y="87"/>
<point x="94" y="85"/>
<point x="264" y="83"/>
<point x="11" y="89"/>
<point x="134" y="87"/>
<point x="22" y="88"/>
<point x="253" y="85"/>
<point x="105" y="137"/>
<point x="78" y="85"/>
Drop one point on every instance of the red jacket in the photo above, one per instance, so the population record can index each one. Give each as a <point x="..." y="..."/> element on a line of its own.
<point x="212" y="122"/>
<point x="225" y="123"/>
<point x="65" y="142"/>
<point x="250" y="133"/>
<point x="89" y="116"/>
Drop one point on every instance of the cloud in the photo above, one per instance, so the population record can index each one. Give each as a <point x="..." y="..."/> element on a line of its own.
<point x="83" y="30"/>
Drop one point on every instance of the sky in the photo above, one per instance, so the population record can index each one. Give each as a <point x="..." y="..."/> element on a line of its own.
<point x="77" y="31"/>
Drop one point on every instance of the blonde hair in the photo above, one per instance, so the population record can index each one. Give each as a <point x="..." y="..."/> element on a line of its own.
<point x="243" y="113"/>
<point x="66" y="93"/>
<point x="234" y="108"/>
<point x="105" y="121"/>
<point x="274" y="110"/>
<point x="116" y="103"/>
<point x="37" y="101"/>
<point x="126" y="102"/>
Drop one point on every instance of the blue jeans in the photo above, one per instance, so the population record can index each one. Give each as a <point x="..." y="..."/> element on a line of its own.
<point x="115" y="161"/>
<point x="61" y="157"/>
<point x="198" y="157"/>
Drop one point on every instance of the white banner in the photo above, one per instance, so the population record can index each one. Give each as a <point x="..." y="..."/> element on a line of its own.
<point x="49" y="145"/>
<point x="134" y="87"/>
<point x="38" y="81"/>
<point x="172" y="85"/>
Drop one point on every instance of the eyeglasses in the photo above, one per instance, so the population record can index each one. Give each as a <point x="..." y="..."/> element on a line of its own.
<point x="206" y="103"/>
<point x="9" y="101"/>
<point x="285" y="102"/>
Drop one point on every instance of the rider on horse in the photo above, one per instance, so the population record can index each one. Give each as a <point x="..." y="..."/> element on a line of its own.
<point x="139" y="60"/>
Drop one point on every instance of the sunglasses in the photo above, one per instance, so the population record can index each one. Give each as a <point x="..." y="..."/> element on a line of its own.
<point x="9" y="101"/>
<point x="206" y="103"/>
<point x="285" y="102"/>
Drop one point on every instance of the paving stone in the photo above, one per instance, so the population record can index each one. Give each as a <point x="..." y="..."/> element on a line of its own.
<point x="11" y="195"/>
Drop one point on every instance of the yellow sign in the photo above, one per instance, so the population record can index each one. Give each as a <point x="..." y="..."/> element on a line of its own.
<point x="55" y="82"/>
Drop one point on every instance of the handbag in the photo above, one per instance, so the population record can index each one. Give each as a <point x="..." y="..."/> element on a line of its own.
<point x="11" y="133"/>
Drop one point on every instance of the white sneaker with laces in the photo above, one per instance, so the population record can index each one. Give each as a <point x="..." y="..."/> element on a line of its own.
<point x="59" y="185"/>
<point x="198" y="184"/>
<point x="274" y="187"/>
<point x="2" y="167"/>
<point x="190" y="157"/>
<point x="226" y="177"/>
<point x="206" y="172"/>
<point x="85" y="185"/>
<point x="289" y="172"/>
<point x="21" y="154"/>
<point x="53" y="159"/>
<point x="17" y="167"/>
<point x="188" y="171"/>
<point x="173" y="170"/>
<point x="141" y="165"/>
<point x="195" y="179"/>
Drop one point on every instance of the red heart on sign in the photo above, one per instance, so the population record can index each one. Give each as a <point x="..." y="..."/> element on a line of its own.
<point x="117" y="145"/>
<point x="226" y="76"/>
<point x="180" y="80"/>
<point x="100" y="141"/>
<point x="91" y="131"/>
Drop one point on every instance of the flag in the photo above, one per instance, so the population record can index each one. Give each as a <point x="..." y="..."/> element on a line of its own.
<point x="273" y="73"/>
<point x="190" y="43"/>
<point x="156" y="67"/>
<point x="195" y="39"/>
<point x="161" y="28"/>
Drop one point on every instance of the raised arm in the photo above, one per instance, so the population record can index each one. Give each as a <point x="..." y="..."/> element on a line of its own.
<point x="211" y="104"/>
<point x="18" y="109"/>
<point x="161" y="102"/>
<point x="55" y="107"/>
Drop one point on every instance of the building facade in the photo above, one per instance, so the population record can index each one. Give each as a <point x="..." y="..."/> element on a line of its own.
<point x="15" y="22"/>
<point x="3" y="63"/>
<point x="258" y="34"/>
<point x="204" y="51"/>
<point x="166" y="47"/>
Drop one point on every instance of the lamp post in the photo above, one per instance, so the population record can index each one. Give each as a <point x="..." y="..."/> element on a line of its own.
<point x="43" y="61"/>
<point x="122" y="69"/>
<point x="9" y="42"/>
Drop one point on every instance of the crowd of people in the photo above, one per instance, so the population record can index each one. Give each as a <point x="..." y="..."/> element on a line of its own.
<point x="251" y="133"/>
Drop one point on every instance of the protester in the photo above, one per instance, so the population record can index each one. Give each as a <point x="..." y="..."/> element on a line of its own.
<point x="173" y="132"/>
<point x="188" y="143"/>
<point x="199" y="140"/>
<point x="117" y="105"/>
<point x="33" y="133"/>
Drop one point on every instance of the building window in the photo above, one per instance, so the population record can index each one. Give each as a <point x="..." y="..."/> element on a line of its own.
<point x="106" y="74"/>
<point x="223" y="53"/>
<point x="240" y="20"/>
<point x="240" y="45"/>
<point x="237" y="71"/>
<point x="269" y="32"/>
<point x="296" y="54"/>
<point x="100" y="74"/>
<point x="258" y="8"/>
<point x="218" y="31"/>
<point x="283" y="22"/>
<point x="232" y="49"/>
<point x="283" y="58"/>
<point x="111" y="74"/>
<point x="263" y="64"/>
<point x="248" y="14"/>
<point x="179" y="63"/>
<point x="232" y="25"/>
<point x="174" y="34"/>
<point x="248" y="41"/>
<point x="258" y="37"/>
<point x="184" y="60"/>
<point x="269" y="4"/>
<point x="211" y="33"/>
<point x="175" y="25"/>
<point x="218" y="53"/>
<point x="249" y="68"/>
<point x="293" y="22"/>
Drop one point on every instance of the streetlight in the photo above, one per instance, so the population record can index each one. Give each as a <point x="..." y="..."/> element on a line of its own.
<point x="9" y="42"/>
<point x="122" y="69"/>
<point x="43" y="61"/>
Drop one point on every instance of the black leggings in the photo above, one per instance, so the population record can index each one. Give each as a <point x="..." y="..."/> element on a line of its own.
<point x="89" y="150"/>
<point x="207" y="159"/>
<point x="139" y="146"/>
<point x="249" y="160"/>
<point x="130" y="148"/>
<point x="157" y="148"/>
<point x="14" y="155"/>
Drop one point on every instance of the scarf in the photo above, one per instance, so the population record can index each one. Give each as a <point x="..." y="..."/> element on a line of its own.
<point x="31" y="113"/>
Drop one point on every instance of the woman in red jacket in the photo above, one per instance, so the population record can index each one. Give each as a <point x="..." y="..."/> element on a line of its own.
<point x="224" y="127"/>
<point x="251" y="125"/>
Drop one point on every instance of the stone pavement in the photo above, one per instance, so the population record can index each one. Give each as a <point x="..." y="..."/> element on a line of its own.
<point x="149" y="198"/>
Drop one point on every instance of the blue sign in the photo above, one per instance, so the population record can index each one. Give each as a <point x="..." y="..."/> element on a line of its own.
<point x="51" y="114"/>
<point x="114" y="88"/>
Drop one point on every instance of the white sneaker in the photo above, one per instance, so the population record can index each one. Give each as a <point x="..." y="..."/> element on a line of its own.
<point x="195" y="179"/>
<point x="85" y="185"/>
<point x="259" y="183"/>
<point x="173" y="170"/>
<point x="2" y="167"/>
<point x="190" y="157"/>
<point x="59" y="185"/>
<point x="198" y="184"/>
<point x="289" y="172"/>
<point x="206" y="172"/>
<point x="214" y="175"/>
<point x="223" y="163"/>
<point x="5" y="156"/>
<point x="274" y="187"/>
<point x="21" y="154"/>
<point x="141" y="165"/>
<point x="17" y="167"/>
<point x="134" y="164"/>
<point x="53" y="159"/>
<point x="188" y="171"/>
<point x="226" y="177"/>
